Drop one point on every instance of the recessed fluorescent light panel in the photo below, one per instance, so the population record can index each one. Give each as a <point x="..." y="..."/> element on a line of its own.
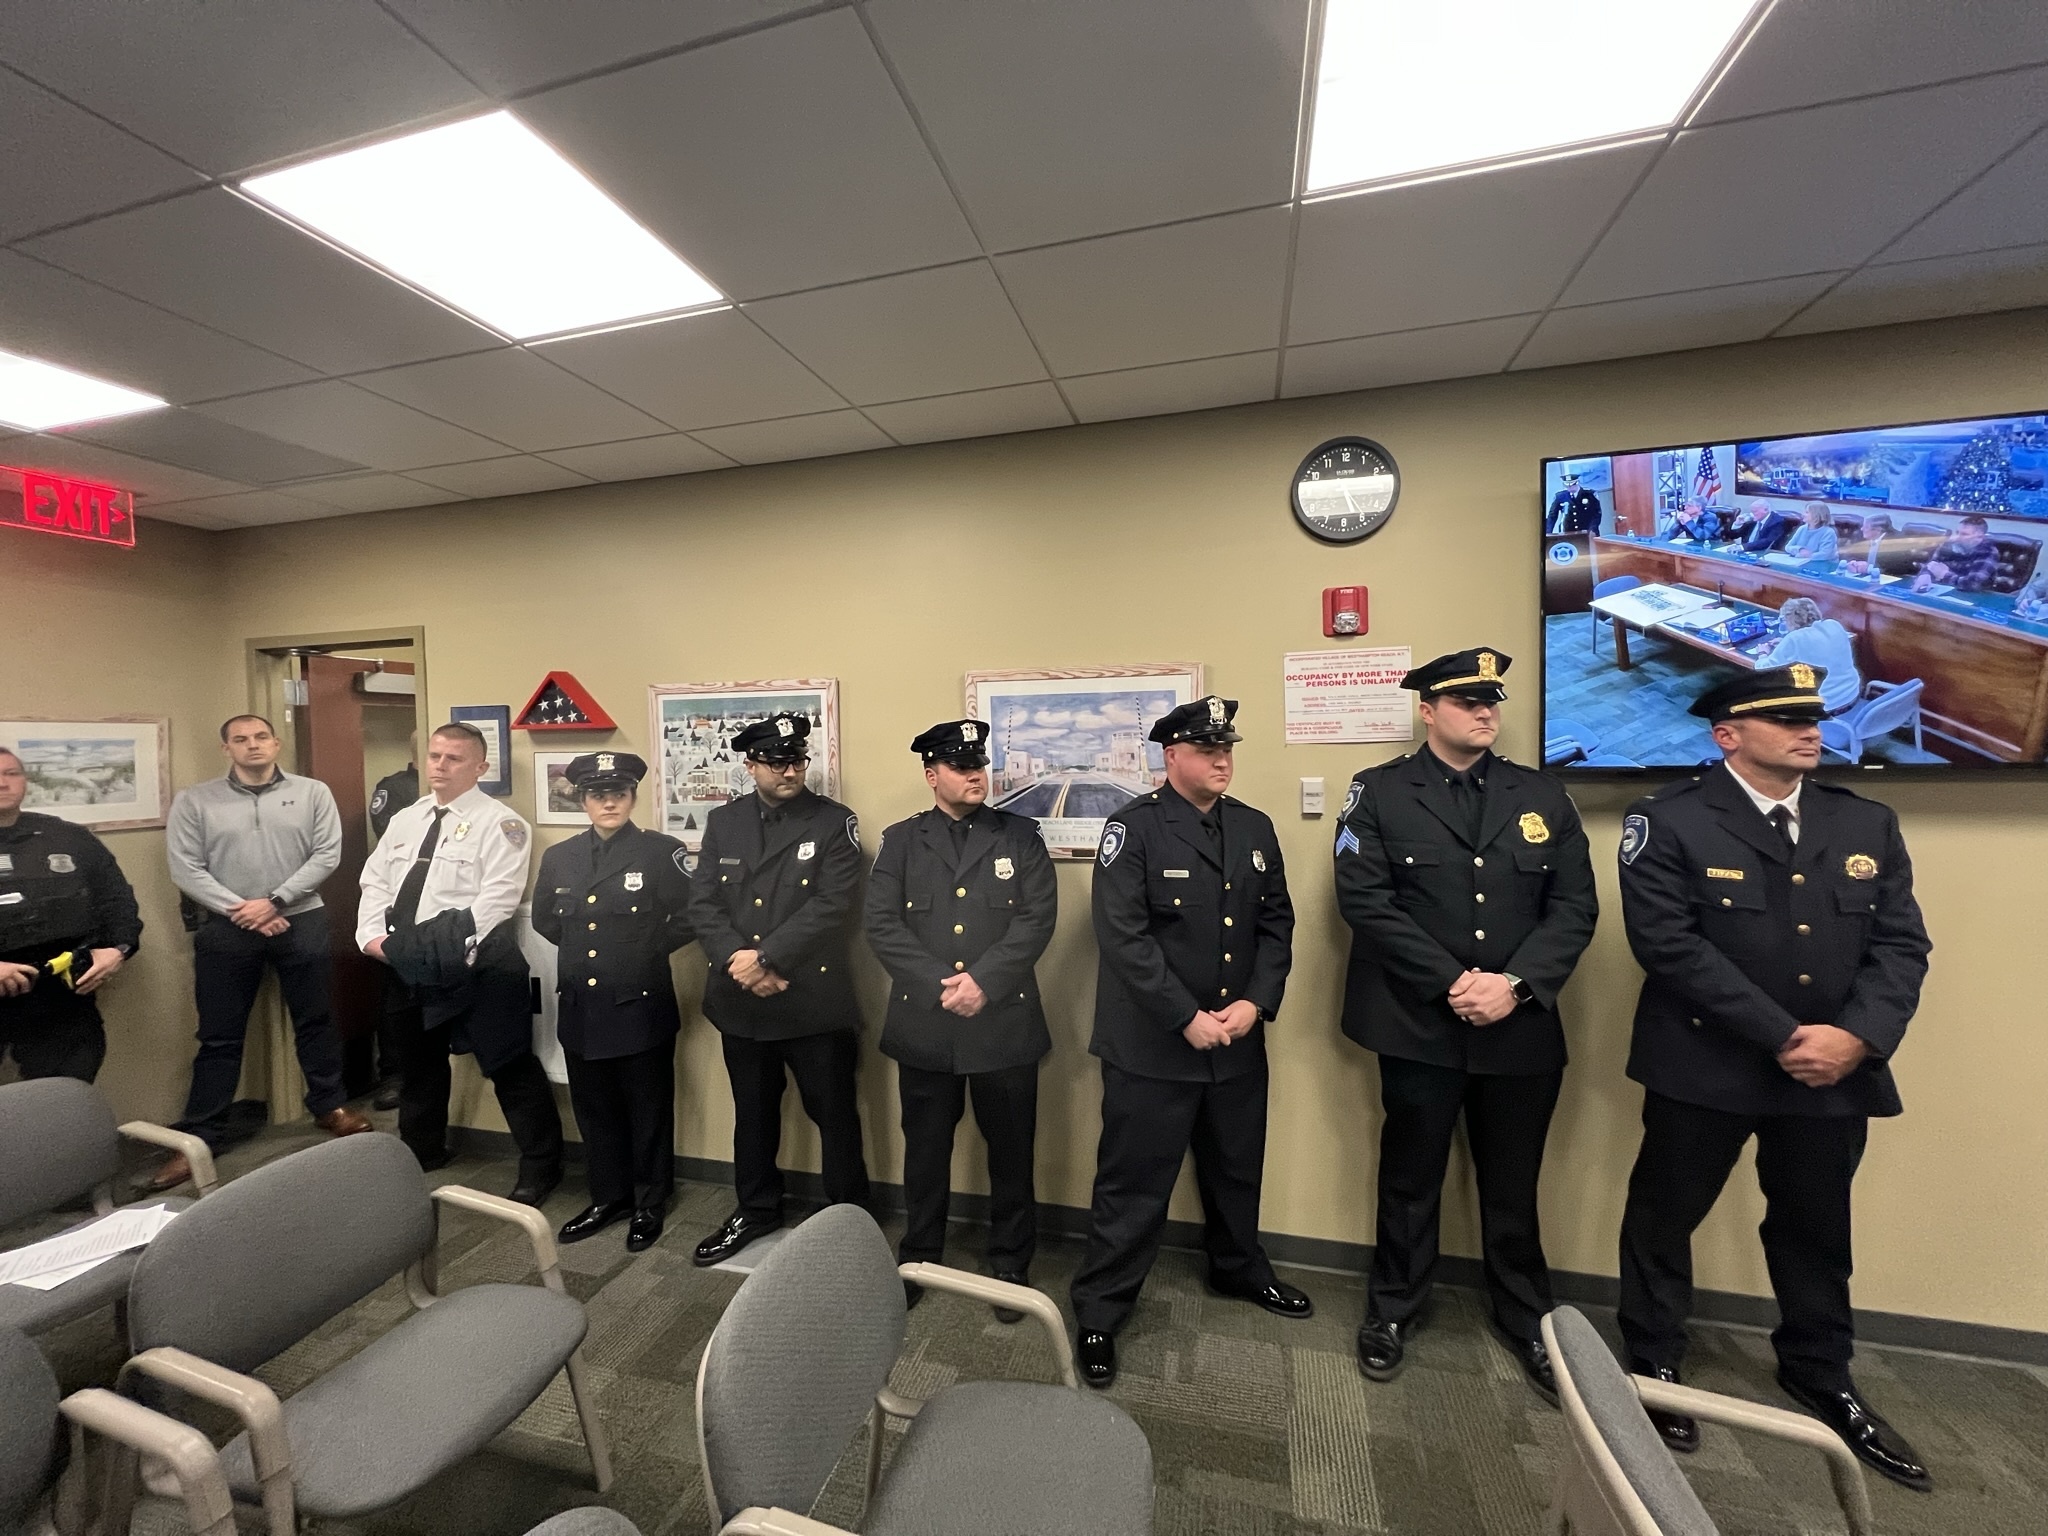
<point x="487" y="217"/>
<point x="1405" y="86"/>
<point x="36" y="396"/>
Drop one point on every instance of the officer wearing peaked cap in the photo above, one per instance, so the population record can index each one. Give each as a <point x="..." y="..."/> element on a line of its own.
<point x="1195" y="934"/>
<point x="777" y="884"/>
<point x="615" y="902"/>
<point x="1468" y="885"/>
<point x="1783" y="953"/>
<point x="960" y="905"/>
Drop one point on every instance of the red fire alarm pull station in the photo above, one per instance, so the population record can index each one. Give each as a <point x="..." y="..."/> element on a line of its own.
<point x="1343" y="610"/>
<point x="72" y="509"/>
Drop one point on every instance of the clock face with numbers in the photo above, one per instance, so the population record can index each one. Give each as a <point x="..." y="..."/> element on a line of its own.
<point x="1346" y="490"/>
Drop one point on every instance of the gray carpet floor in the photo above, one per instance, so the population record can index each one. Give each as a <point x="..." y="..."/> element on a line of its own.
<point x="1257" y="1425"/>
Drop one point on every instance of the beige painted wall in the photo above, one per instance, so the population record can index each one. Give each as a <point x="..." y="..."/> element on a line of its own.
<point x="1170" y="539"/>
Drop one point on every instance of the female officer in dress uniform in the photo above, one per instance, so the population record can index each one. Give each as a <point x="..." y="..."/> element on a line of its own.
<point x="615" y="902"/>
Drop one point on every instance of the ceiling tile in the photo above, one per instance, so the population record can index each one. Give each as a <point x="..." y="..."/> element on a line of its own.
<point x="513" y="396"/>
<point x="500" y="477"/>
<point x="216" y="259"/>
<point x="231" y="84"/>
<point x="244" y="509"/>
<point x="370" y="493"/>
<point x="1069" y="118"/>
<point x="642" y="458"/>
<point x="983" y="413"/>
<point x="700" y="371"/>
<point x="1156" y="295"/>
<point x="1811" y="51"/>
<point x="509" y="46"/>
<point x="1161" y="391"/>
<point x="49" y="313"/>
<point x="1806" y="191"/>
<point x="63" y="164"/>
<point x="1672" y="322"/>
<point x="2006" y="207"/>
<point x="1433" y="252"/>
<point x="184" y="516"/>
<point x="211" y="446"/>
<point x="776" y="161"/>
<point x="89" y="461"/>
<point x="2015" y="278"/>
<point x="1405" y="357"/>
<point x="935" y="332"/>
<point x="338" y="418"/>
<point x="797" y="437"/>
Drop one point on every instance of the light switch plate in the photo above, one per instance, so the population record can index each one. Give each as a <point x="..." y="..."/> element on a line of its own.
<point x="1311" y="797"/>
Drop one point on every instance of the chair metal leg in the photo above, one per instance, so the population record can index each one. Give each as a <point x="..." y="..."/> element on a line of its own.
<point x="593" y="1429"/>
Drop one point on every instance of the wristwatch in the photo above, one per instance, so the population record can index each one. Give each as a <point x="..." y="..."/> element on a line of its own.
<point x="1524" y="993"/>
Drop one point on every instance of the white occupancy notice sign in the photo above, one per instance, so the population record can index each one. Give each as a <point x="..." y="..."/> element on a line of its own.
<point x="1341" y="696"/>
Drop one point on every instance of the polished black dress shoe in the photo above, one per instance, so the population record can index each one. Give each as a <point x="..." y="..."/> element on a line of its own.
<point x="1876" y="1444"/>
<point x="533" y="1188"/>
<point x="1680" y="1431"/>
<point x="1010" y="1277"/>
<point x="913" y="1293"/>
<point x="645" y="1230"/>
<point x="1097" y="1358"/>
<point x="739" y="1230"/>
<point x="1535" y="1362"/>
<point x="592" y="1219"/>
<point x="1276" y="1296"/>
<point x="387" y="1095"/>
<point x="1381" y="1347"/>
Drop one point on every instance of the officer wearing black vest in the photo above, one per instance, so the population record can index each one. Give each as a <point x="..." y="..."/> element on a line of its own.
<point x="776" y="886"/>
<point x="1195" y="934"/>
<point x="1783" y="954"/>
<point x="961" y="903"/>
<point x="1468" y="886"/>
<point x="615" y="902"/>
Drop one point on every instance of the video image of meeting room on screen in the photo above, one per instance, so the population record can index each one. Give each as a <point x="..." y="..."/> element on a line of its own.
<point x="1906" y="561"/>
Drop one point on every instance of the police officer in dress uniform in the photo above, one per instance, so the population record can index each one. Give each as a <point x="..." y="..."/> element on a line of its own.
<point x="439" y="894"/>
<point x="68" y="921"/>
<point x="960" y="905"/>
<point x="1783" y="954"/>
<point x="1469" y="889"/>
<point x="1195" y="934"/>
<point x="394" y="792"/>
<point x="1573" y="509"/>
<point x="776" y="884"/>
<point x="615" y="902"/>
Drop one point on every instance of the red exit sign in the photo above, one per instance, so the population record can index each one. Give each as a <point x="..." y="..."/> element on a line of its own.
<point x="72" y="509"/>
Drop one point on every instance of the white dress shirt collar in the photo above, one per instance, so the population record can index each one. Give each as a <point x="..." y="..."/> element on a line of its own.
<point x="1765" y="804"/>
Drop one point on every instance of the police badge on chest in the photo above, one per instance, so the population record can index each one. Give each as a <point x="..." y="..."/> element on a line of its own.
<point x="634" y="880"/>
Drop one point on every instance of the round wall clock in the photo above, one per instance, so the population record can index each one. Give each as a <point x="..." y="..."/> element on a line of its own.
<point x="1346" y="490"/>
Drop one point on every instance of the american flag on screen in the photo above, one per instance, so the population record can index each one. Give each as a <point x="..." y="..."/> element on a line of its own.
<point x="1706" y="477"/>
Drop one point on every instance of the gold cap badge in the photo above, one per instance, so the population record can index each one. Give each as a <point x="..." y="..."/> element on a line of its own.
<point x="1860" y="866"/>
<point x="1489" y="672"/>
<point x="1802" y="676"/>
<point x="1533" y="829"/>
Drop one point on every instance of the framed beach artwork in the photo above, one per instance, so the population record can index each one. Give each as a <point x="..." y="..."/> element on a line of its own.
<point x="112" y="775"/>
<point x="695" y="767"/>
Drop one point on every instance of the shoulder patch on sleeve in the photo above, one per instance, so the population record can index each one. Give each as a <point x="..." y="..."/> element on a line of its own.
<point x="1113" y="836"/>
<point x="379" y="800"/>
<point x="1351" y="798"/>
<point x="514" y="830"/>
<point x="1635" y="836"/>
<point x="681" y="858"/>
<point x="853" y="831"/>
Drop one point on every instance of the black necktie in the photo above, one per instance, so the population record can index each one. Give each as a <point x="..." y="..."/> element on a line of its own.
<point x="1781" y="818"/>
<point x="959" y="830"/>
<point x="1465" y="795"/>
<point x="407" y="908"/>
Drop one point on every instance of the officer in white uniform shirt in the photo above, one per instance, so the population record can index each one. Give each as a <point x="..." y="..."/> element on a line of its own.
<point x="439" y="892"/>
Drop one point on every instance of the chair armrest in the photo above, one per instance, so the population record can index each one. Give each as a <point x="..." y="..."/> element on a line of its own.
<point x="539" y="1230"/>
<point x="197" y="1153"/>
<point x="209" y="1506"/>
<point x="251" y="1402"/>
<point x="1780" y="1424"/>
<point x="756" y="1521"/>
<point x="1000" y="1293"/>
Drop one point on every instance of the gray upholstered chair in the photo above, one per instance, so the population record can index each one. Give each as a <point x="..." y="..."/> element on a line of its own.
<point x="59" y="1143"/>
<point x="588" y="1520"/>
<point x="102" y="1425"/>
<point x="277" y="1253"/>
<point x="803" y="1355"/>
<point x="1619" y="1479"/>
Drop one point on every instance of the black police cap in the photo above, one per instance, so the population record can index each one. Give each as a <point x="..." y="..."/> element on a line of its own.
<point x="1475" y="674"/>
<point x="1790" y="694"/>
<point x="1206" y="720"/>
<point x="595" y="771"/>
<point x="778" y="739"/>
<point x="963" y="743"/>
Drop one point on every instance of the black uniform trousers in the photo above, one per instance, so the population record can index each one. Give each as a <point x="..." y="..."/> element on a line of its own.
<point x="626" y="1109"/>
<point x="1148" y="1125"/>
<point x="1805" y="1165"/>
<point x="1507" y="1120"/>
<point x="1006" y="1110"/>
<point x="525" y="1098"/>
<point x="53" y="1032"/>
<point x="823" y="1066"/>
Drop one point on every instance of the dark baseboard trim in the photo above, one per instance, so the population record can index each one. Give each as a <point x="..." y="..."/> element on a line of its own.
<point x="2018" y="1346"/>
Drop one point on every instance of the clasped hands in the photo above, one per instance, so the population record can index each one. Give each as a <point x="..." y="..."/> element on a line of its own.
<point x="1207" y="1030"/>
<point x="1482" y="997"/>
<point x="1821" y="1055"/>
<point x="258" y="914"/>
<point x="746" y="968"/>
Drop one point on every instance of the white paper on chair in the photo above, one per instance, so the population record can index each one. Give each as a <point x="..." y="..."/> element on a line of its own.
<point x="58" y="1260"/>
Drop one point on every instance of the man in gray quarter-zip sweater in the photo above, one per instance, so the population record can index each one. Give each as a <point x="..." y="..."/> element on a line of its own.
<point x="250" y="850"/>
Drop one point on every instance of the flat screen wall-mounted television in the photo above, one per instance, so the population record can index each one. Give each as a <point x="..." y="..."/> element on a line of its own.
<point x="1906" y="560"/>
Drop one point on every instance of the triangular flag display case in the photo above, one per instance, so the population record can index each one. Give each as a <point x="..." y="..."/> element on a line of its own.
<point x="561" y="703"/>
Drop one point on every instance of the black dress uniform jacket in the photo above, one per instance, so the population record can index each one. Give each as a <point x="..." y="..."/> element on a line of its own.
<point x="1574" y="512"/>
<point x="61" y="889"/>
<point x="1427" y="900"/>
<point x="1179" y="931"/>
<point x="987" y="910"/>
<point x="615" y="908"/>
<point x="1742" y="939"/>
<point x="783" y="883"/>
<point x="394" y="792"/>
